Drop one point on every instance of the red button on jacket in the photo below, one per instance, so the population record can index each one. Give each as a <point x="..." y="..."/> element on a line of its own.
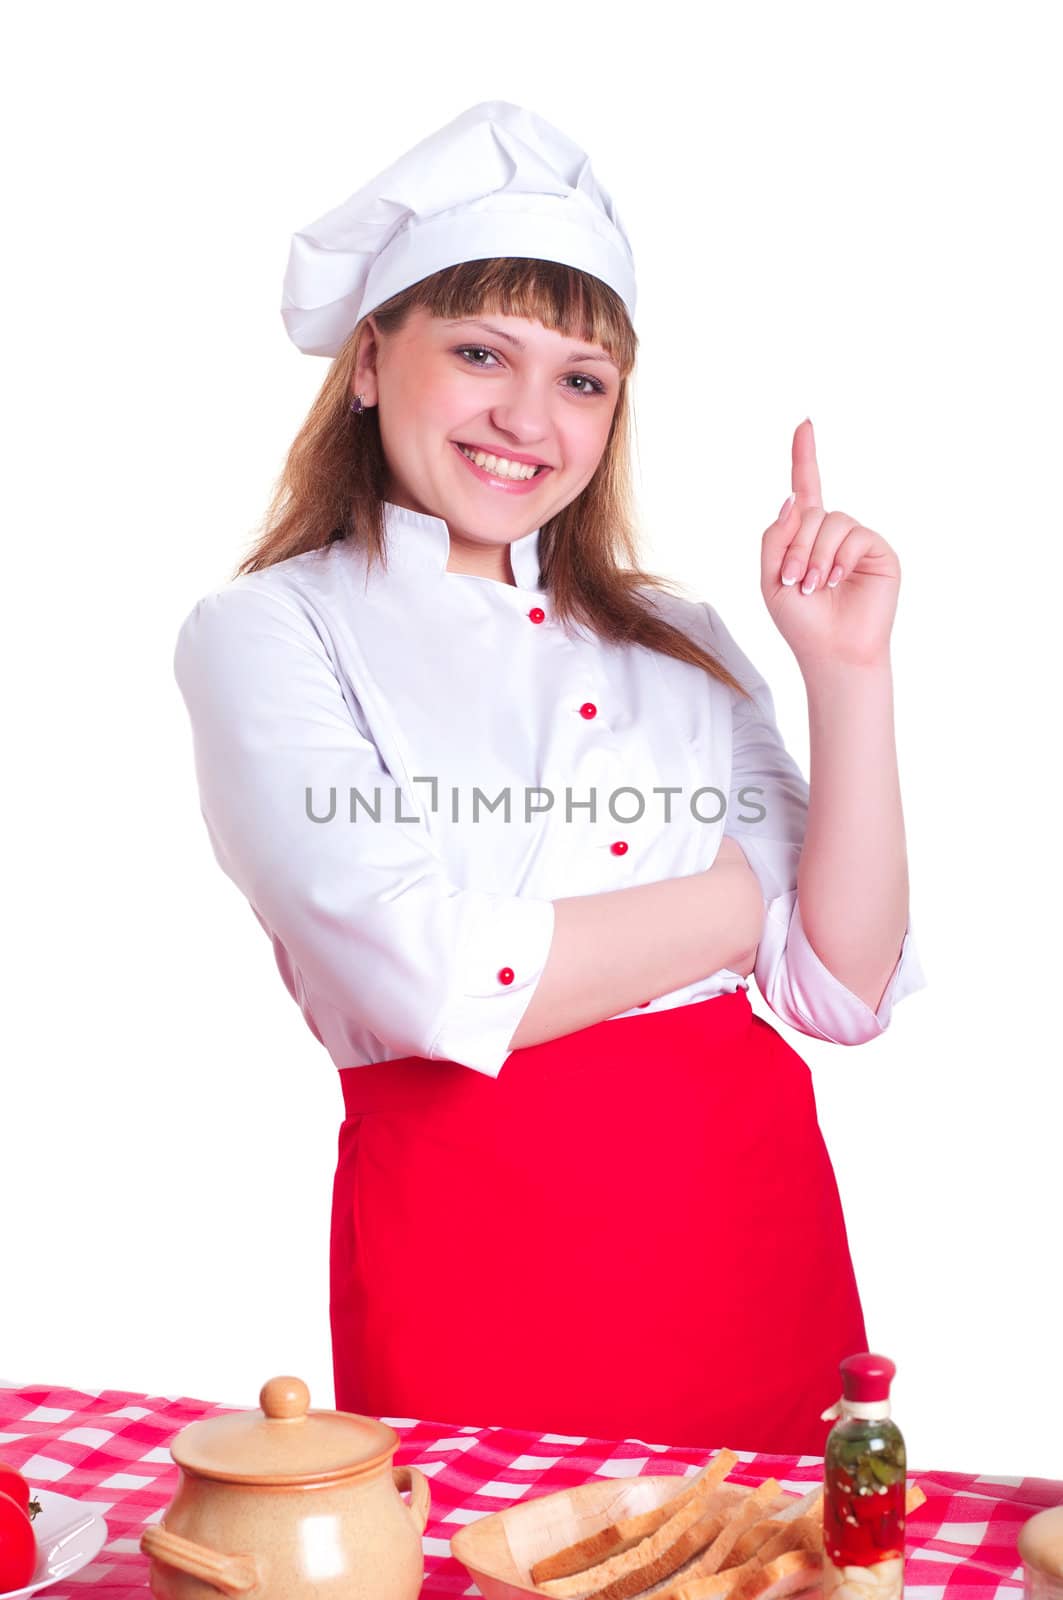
<point x="588" y="710"/>
<point x="506" y="975"/>
<point x="619" y="848"/>
<point x="537" y="614"/>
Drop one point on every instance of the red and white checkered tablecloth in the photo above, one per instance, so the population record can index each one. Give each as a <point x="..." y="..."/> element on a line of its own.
<point x="111" y="1450"/>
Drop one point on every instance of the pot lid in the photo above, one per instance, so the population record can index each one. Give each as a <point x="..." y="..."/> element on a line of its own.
<point x="284" y="1442"/>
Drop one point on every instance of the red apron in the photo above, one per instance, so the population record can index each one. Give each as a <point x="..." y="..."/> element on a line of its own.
<point x="634" y="1231"/>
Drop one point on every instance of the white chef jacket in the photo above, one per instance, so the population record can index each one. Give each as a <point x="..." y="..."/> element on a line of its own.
<point x="356" y="735"/>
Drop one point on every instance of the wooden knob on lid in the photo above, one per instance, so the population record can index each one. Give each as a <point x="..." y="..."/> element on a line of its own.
<point x="1041" y="1549"/>
<point x="285" y="1399"/>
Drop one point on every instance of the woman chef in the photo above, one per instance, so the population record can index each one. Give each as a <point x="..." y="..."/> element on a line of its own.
<point x="520" y="825"/>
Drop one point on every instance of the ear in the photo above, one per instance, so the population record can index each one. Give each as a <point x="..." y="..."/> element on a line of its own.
<point x="363" y="374"/>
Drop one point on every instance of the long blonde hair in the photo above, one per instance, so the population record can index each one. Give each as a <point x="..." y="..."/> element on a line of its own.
<point x="332" y="483"/>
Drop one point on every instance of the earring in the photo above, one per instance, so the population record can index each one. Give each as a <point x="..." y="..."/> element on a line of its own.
<point x="358" y="404"/>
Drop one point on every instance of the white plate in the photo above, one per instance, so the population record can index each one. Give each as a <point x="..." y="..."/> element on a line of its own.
<point x="68" y="1537"/>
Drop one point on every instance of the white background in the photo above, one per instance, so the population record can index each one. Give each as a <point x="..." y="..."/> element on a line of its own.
<point x="840" y="211"/>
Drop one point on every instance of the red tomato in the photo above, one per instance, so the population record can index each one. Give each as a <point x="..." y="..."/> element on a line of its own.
<point x="14" y="1484"/>
<point x="18" y="1546"/>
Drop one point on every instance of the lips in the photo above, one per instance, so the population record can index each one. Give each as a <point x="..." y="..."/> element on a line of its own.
<point x="500" y="485"/>
<point x="508" y="455"/>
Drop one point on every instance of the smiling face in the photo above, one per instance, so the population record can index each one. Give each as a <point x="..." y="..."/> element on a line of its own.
<point x="506" y="386"/>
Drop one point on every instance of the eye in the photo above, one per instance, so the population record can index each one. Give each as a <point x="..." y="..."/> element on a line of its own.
<point x="466" y="350"/>
<point x="596" y="386"/>
<point x="476" y="349"/>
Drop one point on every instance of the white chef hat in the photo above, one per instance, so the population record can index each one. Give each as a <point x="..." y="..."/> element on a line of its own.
<point x="497" y="181"/>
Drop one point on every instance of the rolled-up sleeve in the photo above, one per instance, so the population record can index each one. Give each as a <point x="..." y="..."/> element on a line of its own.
<point x="766" y="815"/>
<point x="363" y="911"/>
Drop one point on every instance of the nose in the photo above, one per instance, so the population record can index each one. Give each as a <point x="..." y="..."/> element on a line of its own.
<point x="523" y="412"/>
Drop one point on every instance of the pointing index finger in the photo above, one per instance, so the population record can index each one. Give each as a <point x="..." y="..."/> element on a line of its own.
<point x="805" y="479"/>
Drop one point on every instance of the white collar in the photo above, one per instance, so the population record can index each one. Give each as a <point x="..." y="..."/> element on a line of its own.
<point x="419" y="543"/>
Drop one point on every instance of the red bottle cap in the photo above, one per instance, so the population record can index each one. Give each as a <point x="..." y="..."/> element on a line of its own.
<point x="867" y="1377"/>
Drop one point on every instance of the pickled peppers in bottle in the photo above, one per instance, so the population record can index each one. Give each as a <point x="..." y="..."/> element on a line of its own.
<point x="864" y="1487"/>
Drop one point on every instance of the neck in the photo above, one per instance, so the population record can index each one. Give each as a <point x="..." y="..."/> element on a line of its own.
<point x="481" y="561"/>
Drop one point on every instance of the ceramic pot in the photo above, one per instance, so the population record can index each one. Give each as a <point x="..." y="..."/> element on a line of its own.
<point x="285" y="1503"/>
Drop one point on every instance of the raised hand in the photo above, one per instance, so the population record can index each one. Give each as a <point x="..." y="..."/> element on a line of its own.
<point x="845" y="617"/>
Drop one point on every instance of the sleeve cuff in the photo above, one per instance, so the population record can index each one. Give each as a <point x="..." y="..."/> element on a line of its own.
<point x="498" y="932"/>
<point x="806" y="994"/>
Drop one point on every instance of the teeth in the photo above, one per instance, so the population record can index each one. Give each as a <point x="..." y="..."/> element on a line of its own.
<point x="501" y="466"/>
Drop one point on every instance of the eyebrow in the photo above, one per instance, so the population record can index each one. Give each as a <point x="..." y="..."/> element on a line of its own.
<point x="499" y="333"/>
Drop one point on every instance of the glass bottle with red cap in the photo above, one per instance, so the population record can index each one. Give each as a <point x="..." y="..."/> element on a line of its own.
<point x="864" y="1486"/>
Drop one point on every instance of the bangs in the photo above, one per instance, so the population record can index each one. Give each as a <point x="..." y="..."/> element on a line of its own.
<point x="564" y="299"/>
